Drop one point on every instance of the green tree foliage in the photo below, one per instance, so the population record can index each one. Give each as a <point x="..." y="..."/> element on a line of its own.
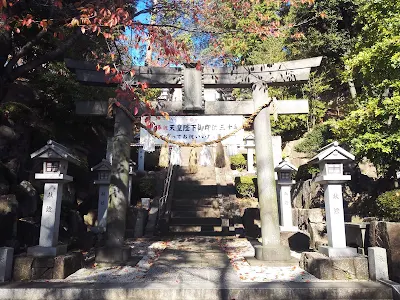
<point x="325" y="29"/>
<point x="389" y="206"/>
<point x="375" y="60"/>
<point x="314" y="140"/>
<point x="372" y="131"/>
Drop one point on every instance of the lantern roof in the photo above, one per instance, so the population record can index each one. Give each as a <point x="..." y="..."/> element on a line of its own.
<point x="249" y="137"/>
<point x="332" y="152"/>
<point x="104" y="165"/>
<point x="55" y="150"/>
<point x="285" y="165"/>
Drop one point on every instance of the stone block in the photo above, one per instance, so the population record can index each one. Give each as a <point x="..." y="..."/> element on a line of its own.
<point x="377" y="262"/>
<point x="42" y="268"/>
<point x="386" y="235"/>
<point x="272" y="253"/>
<point x="297" y="241"/>
<point x="113" y="255"/>
<point x="41" y="273"/>
<point x="43" y="262"/>
<point x="6" y="262"/>
<point x="334" y="268"/>
<point x="34" y="268"/>
<point x="23" y="268"/>
<point x="65" y="265"/>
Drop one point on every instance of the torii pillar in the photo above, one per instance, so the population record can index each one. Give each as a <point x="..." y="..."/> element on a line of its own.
<point x="114" y="250"/>
<point x="271" y="248"/>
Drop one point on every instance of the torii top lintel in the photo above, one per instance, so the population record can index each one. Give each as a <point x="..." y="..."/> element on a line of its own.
<point x="282" y="73"/>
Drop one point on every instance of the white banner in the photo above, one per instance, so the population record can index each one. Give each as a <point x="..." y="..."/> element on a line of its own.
<point x="197" y="128"/>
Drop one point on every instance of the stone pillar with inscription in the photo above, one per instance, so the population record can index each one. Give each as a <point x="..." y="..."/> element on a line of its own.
<point x="55" y="159"/>
<point x="330" y="160"/>
<point x="285" y="182"/>
<point x="103" y="170"/>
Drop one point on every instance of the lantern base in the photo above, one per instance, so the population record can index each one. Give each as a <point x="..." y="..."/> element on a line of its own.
<point x="338" y="252"/>
<point x="272" y="253"/>
<point x="40" y="251"/>
<point x="288" y="228"/>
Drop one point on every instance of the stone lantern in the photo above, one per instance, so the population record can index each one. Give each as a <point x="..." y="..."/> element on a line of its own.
<point x="330" y="160"/>
<point x="103" y="170"/>
<point x="249" y="144"/>
<point x="285" y="170"/>
<point x="55" y="159"/>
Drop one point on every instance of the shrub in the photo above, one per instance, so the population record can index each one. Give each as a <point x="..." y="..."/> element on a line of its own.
<point x="246" y="186"/>
<point x="318" y="137"/>
<point x="238" y="162"/>
<point x="388" y="205"/>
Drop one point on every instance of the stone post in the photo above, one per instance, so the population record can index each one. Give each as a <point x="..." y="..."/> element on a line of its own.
<point x="141" y="154"/>
<point x="114" y="251"/>
<point x="271" y="248"/>
<point x="6" y="262"/>
<point x="377" y="263"/>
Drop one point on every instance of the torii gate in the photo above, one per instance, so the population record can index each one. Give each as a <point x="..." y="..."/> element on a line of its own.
<point x="193" y="81"/>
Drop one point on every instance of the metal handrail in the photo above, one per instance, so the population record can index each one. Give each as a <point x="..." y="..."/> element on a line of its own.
<point x="164" y="197"/>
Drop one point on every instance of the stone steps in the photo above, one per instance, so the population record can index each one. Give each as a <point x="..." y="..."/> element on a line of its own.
<point x="194" y="202"/>
<point x="219" y="288"/>
<point x="195" y="205"/>
<point x="204" y="212"/>
<point x="192" y="221"/>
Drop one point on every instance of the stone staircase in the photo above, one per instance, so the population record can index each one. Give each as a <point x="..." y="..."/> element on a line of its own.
<point x="196" y="201"/>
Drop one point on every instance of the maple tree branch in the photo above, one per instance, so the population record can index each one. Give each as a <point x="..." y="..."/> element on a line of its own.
<point x="19" y="71"/>
<point x="218" y="32"/>
<point x="184" y="29"/>
<point x="24" y="50"/>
